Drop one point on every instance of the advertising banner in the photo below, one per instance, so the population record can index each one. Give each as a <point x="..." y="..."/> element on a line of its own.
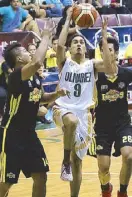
<point x="125" y="37"/>
<point x="7" y="38"/>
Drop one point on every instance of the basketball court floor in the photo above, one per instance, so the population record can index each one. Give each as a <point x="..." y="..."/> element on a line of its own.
<point x="52" y="141"/>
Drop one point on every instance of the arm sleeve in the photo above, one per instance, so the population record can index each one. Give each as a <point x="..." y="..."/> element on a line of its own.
<point x="15" y="82"/>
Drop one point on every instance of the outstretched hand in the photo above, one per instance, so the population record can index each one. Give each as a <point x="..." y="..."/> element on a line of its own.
<point x="48" y="27"/>
<point x="69" y="12"/>
<point x="63" y="92"/>
<point x="104" y="27"/>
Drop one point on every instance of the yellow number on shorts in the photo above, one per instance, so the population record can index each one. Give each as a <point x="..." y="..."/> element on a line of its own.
<point x="127" y="139"/>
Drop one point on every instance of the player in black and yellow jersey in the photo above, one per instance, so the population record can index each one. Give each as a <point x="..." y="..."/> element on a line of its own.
<point x="113" y="123"/>
<point x="19" y="145"/>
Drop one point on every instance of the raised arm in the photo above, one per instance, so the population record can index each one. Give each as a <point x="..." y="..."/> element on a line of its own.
<point x="108" y="64"/>
<point x="38" y="59"/>
<point x="50" y="97"/>
<point x="62" y="40"/>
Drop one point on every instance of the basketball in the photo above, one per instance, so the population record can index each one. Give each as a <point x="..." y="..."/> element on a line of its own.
<point x="84" y="15"/>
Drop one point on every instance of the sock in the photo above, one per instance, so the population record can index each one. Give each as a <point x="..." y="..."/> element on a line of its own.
<point x="105" y="187"/>
<point x="123" y="188"/>
<point x="66" y="156"/>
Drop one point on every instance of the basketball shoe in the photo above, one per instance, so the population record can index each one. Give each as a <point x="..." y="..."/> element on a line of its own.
<point x="66" y="172"/>
<point x="108" y="193"/>
<point x="120" y="194"/>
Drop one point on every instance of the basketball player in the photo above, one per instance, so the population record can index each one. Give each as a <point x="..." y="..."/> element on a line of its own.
<point x="113" y="123"/>
<point x="19" y="145"/>
<point x="73" y="111"/>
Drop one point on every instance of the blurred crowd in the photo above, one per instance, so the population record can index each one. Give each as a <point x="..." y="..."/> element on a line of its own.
<point x="20" y="15"/>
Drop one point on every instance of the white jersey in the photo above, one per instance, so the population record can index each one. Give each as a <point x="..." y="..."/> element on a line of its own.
<point x="79" y="80"/>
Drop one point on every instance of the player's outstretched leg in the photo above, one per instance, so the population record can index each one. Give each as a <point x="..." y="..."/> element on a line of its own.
<point x="69" y="128"/>
<point x="104" y="175"/>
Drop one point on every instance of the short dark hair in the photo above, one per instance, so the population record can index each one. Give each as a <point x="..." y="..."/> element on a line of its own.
<point x="10" y="52"/>
<point x="54" y="38"/>
<point x="73" y="36"/>
<point x="111" y="41"/>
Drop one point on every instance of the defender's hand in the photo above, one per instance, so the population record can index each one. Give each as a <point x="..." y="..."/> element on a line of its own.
<point x="48" y="28"/>
<point x="63" y="92"/>
<point x="104" y="27"/>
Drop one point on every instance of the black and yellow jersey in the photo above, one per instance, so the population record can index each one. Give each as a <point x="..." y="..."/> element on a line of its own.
<point x="112" y="109"/>
<point x="22" y="102"/>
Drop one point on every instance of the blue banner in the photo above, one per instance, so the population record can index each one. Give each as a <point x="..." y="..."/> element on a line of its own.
<point x="125" y="37"/>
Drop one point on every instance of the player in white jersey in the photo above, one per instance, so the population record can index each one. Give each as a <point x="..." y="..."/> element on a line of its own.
<point x="73" y="112"/>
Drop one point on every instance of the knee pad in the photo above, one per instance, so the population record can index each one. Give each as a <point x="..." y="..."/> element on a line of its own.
<point x="104" y="178"/>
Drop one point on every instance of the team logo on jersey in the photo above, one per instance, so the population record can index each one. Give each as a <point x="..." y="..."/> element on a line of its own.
<point x="112" y="95"/>
<point x="104" y="87"/>
<point x="121" y="85"/>
<point x="35" y="95"/>
<point x="99" y="147"/>
<point x="11" y="175"/>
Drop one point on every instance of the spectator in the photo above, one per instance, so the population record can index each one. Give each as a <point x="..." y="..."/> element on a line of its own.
<point x="72" y="28"/>
<point x="120" y="9"/>
<point x="42" y="109"/>
<point x="67" y="2"/>
<point x="41" y="8"/>
<point x="97" y="5"/>
<point x="40" y="73"/>
<point x="51" y="63"/>
<point x="53" y="8"/>
<point x="34" y="8"/>
<point x="15" y="18"/>
<point x="128" y="51"/>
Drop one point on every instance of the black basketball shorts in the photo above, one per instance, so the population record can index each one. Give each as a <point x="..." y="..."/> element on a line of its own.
<point x="106" y="137"/>
<point x="20" y="151"/>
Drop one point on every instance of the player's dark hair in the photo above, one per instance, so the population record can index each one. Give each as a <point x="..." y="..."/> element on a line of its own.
<point x="54" y="38"/>
<point x="73" y="36"/>
<point x="10" y="52"/>
<point x="111" y="41"/>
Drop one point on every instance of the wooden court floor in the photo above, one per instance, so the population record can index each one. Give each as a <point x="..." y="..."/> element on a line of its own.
<point x="52" y="141"/>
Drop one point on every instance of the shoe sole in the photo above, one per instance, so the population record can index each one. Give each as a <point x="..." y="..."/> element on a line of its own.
<point x="63" y="179"/>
